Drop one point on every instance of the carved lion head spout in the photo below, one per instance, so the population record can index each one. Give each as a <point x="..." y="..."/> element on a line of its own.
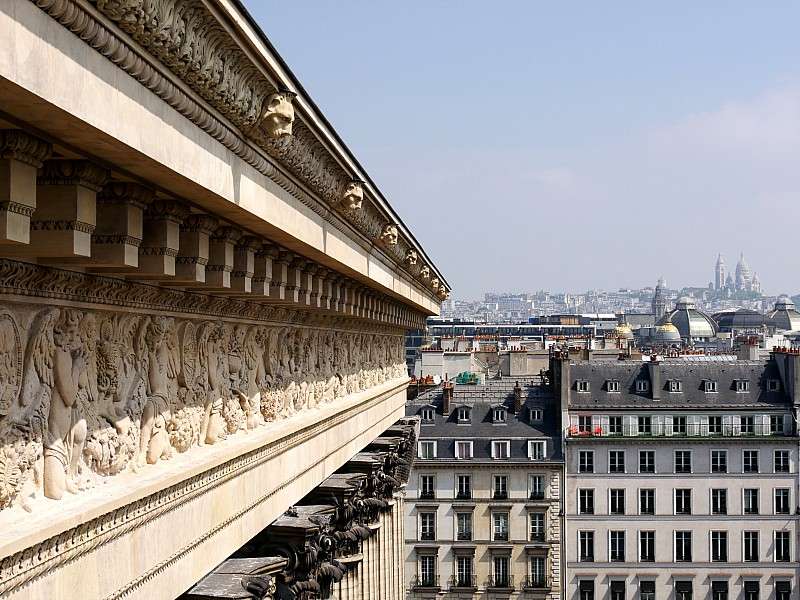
<point x="389" y="235"/>
<point x="435" y="283"/>
<point x="353" y="194"/>
<point x="278" y="114"/>
<point x="425" y="272"/>
<point x="411" y="257"/>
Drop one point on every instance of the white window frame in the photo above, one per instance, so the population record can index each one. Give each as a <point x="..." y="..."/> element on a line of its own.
<point x="583" y="386"/>
<point x="612" y="385"/>
<point x="463" y="414"/>
<point x="467" y="444"/>
<point x="642" y="386"/>
<point x="427" y="415"/>
<point x="675" y="386"/>
<point x="742" y="386"/>
<point x="535" y="415"/>
<point x="543" y="485"/>
<point x="499" y="415"/>
<point x="497" y="445"/>
<point x="428" y="443"/>
<point x="541" y="445"/>
<point x="711" y="386"/>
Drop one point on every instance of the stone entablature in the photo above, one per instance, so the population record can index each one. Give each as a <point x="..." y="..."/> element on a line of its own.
<point x="206" y="68"/>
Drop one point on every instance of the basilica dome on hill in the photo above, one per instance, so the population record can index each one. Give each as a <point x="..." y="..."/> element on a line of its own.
<point x="692" y="324"/>
<point x="785" y="316"/>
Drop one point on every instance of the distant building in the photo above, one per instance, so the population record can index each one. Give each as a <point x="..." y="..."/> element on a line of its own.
<point x="659" y="304"/>
<point x="719" y="274"/>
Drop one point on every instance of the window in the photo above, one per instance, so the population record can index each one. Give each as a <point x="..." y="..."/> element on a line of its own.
<point x="781" y="461"/>
<point x="500" y="449"/>
<point x="711" y="386"/>
<point x="463" y="450"/>
<point x="683" y="501"/>
<point x="501" y="578"/>
<point x="782" y="546"/>
<point x="586" y="461"/>
<point x="750" y="543"/>
<point x="617" y="589"/>
<point x="500" y="530"/>
<point x="427" y="415"/>
<point x="747" y="425"/>
<point x="584" y="424"/>
<point x="750" y="501"/>
<point x="773" y="385"/>
<point x="719" y="546"/>
<point x="683" y="546"/>
<point x="683" y="461"/>
<point x="427" y="526"/>
<point x="616" y="502"/>
<point x="586" y="589"/>
<point x="616" y="461"/>
<point x="645" y="425"/>
<point x="675" y="385"/>
<point x="642" y="386"/>
<point x="719" y="461"/>
<point x="586" y="546"/>
<point x="781" y="501"/>
<point x="612" y="385"/>
<point x="614" y="425"/>
<point x="583" y="386"/>
<point x="535" y="415"/>
<point x="683" y="590"/>
<point x="719" y="590"/>
<point x="427" y="487"/>
<point x="715" y="425"/>
<point x="647" y="590"/>
<point x="427" y="571"/>
<point x="742" y="385"/>
<point x="776" y="424"/>
<point x="537" y="487"/>
<point x="782" y="590"/>
<point x="750" y="461"/>
<point x="647" y="461"/>
<point x="647" y="502"/>
<point x="536" y="449"/>
<point x="464" y="526"/>
<point x="499" y="415"/>
<point x="616" y="546"/>
<point x="464" y="571"/>
<point x="500" y="487"/>
<point x="538" y="571"/>
<point x="585" y="502"/>
<point x="426" y="450"/>
<point x="751" y="590"/>
<point x="463" y="487"/>
<point x="537" y="527"/>
<point x="647" y="546"/>
<point x="719" y="501"/>
<point x="463" y="414"/>
<point x="679" y="426"/>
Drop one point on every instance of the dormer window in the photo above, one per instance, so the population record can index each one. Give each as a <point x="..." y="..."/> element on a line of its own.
<point x="583" y="385"/>
<point x="499" y="415"/>
<point x="426" y="414"/>
<point x="773" y="385"/>
<point x="711" y="386"/>
<point x="642" y="386"/>
<point x="612" y="385"/>
<point x="742" y="385"/>
<point x="535" y="415"/>
<point x="463" y="414"/>
<point x="675" y="385"/>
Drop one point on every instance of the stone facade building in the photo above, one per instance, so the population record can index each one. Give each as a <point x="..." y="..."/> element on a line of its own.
<point x="681" y="477"/>
<point x="483" y="504"/>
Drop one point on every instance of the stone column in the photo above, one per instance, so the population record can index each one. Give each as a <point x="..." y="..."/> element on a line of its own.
<point x="21" y="154"/>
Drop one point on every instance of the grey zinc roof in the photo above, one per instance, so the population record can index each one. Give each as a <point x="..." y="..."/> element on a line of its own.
<point x="481" y="430"/>
<point x="692" y="373"/>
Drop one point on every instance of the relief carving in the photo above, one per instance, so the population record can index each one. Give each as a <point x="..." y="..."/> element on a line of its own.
<point x="353" y="194"/>
<point x="278" y="114"/>
<point x="389" y="235"/>
<point x="411" y="257"/>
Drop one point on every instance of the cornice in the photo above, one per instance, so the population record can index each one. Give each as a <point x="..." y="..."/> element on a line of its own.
<point x="184" y="53"/>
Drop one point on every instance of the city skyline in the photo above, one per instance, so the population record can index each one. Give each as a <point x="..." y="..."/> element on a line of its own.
<point x="532" y="137"/>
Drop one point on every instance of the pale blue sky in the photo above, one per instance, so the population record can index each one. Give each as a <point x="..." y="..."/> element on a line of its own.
<point x="567" y="145"/>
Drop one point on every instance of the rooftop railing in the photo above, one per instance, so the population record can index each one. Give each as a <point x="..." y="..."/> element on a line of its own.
<point x="703" y="431"/>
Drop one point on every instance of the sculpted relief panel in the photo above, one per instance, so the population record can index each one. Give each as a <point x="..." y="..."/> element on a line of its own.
<point x="88" y="394"/>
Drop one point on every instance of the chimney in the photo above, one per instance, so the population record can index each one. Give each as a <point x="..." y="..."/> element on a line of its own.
<point x="447" y="397"/>
<point x="517" y="398"/>
<point x="655" y="377"/>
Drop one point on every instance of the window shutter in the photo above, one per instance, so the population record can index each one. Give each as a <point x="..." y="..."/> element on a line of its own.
<point x="658" y="424"/>
<point x="630" y="425"/>
<point x="727" y="424"/>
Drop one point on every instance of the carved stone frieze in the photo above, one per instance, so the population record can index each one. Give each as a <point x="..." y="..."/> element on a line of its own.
<point x="21" y="146"/>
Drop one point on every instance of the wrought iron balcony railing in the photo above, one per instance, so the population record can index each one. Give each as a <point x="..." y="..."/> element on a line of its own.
<point x="537" y="496"/>
<point x="535" y="582"/>
<point x="464" y="535"/>
<point x="427" y="495"/>
<point x="464" y="495"/>
<point x="501" y="536"/>
<point x="693" y="430"/>
<point x="500" y="495"/>
<point x="426" y="582"/>
<point x="501" y="582"/>
<point x="464" y="582"/>
<point x="427" y="536"/>
<point x="538" y="536"/>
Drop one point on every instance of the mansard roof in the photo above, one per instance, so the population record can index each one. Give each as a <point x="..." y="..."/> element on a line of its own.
<point x="692" y="372"/>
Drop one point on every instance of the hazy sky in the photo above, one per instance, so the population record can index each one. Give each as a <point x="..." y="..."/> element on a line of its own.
<point x="567" y="145"/>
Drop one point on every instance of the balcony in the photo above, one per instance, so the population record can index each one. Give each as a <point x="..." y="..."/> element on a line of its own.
<point x="464" y="535"/>
<point x="500" y="495"/>
<point x="501" y="582"/>
<point x="427" y="495"/>
<point x="693" y="430"/>
<point x="538" y="536"/>
<point x="537" y="496"/>
<point x="463" y="583"/>
<point x="425" y="582"/>
<point x="464" y="495"/>
<point x="537" y="583"/>
<point x="500" y="536"/>
<point x="427" y="536"/>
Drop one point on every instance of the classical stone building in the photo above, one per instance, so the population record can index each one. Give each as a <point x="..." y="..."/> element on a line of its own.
<point x="203" y="302"/>
<point x="681" y="477"/>
<point x="483" y="504"/>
